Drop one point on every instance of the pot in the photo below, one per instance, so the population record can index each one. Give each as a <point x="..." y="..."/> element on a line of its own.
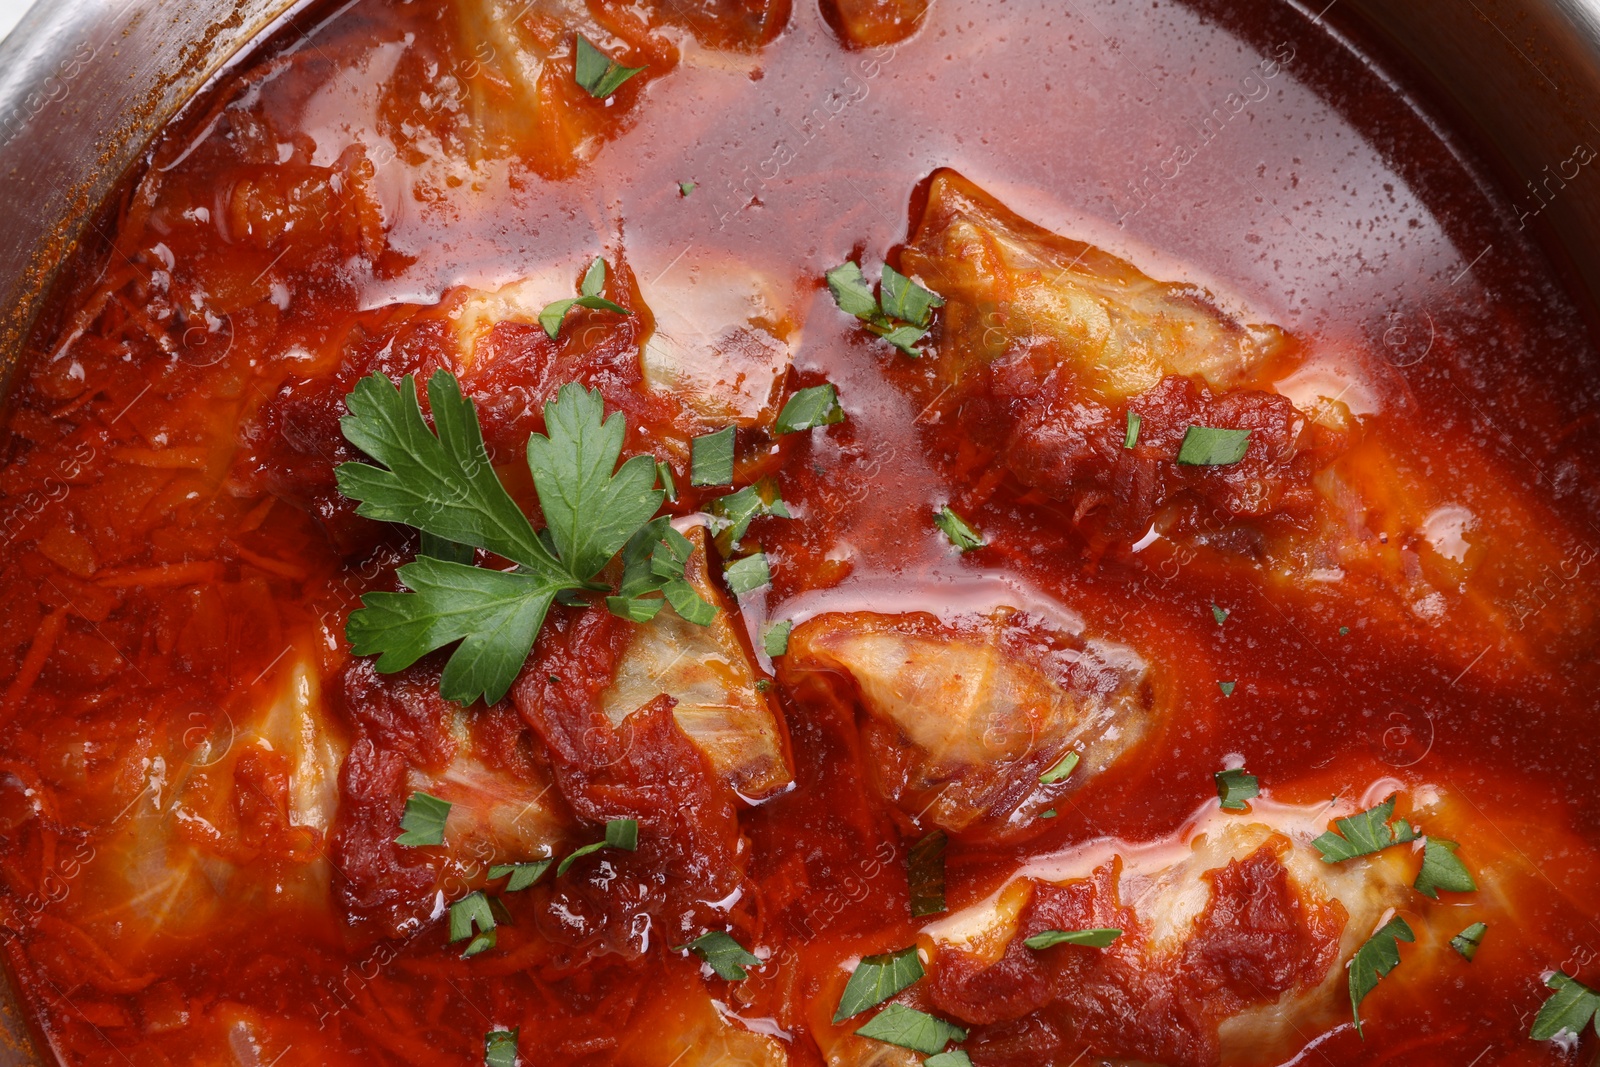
<point x="86" y="84"/>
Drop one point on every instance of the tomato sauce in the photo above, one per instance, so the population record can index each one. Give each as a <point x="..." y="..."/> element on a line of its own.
<point x="192" y="879"/>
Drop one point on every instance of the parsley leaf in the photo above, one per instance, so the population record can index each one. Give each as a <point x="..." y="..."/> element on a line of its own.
<point x="925" y="874"/>
<point x="910" y="1028"/>
<point x="748" y="574"/>
<point x="448" y="551"/>
<point x="594" y="279"/>
<point x="1374" y="959"/>
<point x="597" y="73"/>
<point x="732" y="515"/>
<point x="472" y="912"/>
<point x="711" y="458"/>
<point x="1220" y="614"/>
<point x="685" y="188"/>
<point x="1442" y="869"/>
<point x="1207" y="446"/>
<point x="620" y="833"/>
<point x="634" y="609"/>
<point x="954" y="1058"/>
<point x="1227" y="688"/>
<point x="815" y="406"/>
<point x="591" y="506"/>
<point x="1235" y="787"/>
<point x="444" y="485"/>
<point x="1064" y="766"/>
<point x="876" y="979"/>
<point x="1468" y="940"/>
<point x="500" y="1047"/>
<point x="955" y="528"/>
<point x="423" y="821"/>
<point x="904" y="314"/>
<point x="775" y="639"/>
<point x="851" y="291"/>
<point x="903" y="299"/>
<point x="1097" y="938"/>
<point x="1570" y="1008"/>
<point x="1131" y="436"/>
<point x="522" y="874"/>
<point x="1364" y="833"/>
<point x="665" y="481"/>
<point x="726" y="956"/>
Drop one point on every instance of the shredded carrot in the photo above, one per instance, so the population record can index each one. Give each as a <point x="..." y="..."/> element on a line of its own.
<point x="44" y="642"/>
<point x="161" y="576"/>
<point x="268" y="564"/>
<point x="257" y="515"/>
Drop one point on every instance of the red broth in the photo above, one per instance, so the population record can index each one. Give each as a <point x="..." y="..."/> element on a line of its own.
<point x="175" y="556"/>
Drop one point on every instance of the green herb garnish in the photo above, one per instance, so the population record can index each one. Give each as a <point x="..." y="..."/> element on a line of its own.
<point x="726" y="956"/>
<point x="665" y="481"/>
<point x="748" y="574"/>
<point x="472" y="913"/>
<point x="423" y="821"/>
<point x="1207" y="446"/>
<point x="1235" y="787"/>
<point x="1570" y="1008"/>
<point x="597" y="73"/>
<point x="810" y="408"/>
<point x="1064" y="766"/>
<point x="522" y="874"/>
<point x="1374" y="959"/>
<point x="500" y="1047"/>
<point x="775" y="639"/>
<point x="1442" y="869"/>
<point x="1130" y="437"/>
<point x="1227" y="688"/>
<point x="876" y="979"/>
<point x="910" y="1028"/>
<point x="925" y="874"/>
<point x="444" y="485"/>
<point x="955" y="528"/>
<point x="686" y="188"/>
<point x="1220" y="614"/>
<point x="620" y="833"/>
<point x="902" y="318"/>
<point x="954" y="1058"/>
<point x="1468" y="940"/>
<point x="711" y="458"/>
<point x="1096" y="938"/>
<point x="732" y="515"/>
<point x="594" y="279"/>
<point x="1363" y="833"/>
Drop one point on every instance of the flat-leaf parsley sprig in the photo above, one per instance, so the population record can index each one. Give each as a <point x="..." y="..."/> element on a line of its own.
<point x="440" y="481"/>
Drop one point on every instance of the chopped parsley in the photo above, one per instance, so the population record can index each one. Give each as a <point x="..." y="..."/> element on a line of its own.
<point x="1374" y="959"/>
<point x="1207" y="446"/>
<point x="1227" y="688"/>
<point x="955" y="528"/>
<point x="1235" y="787"/>
<point x="597" y="73"/>
<point x="1096" y="938"/>
<point x="1569" y="1009"/>
<point x="726" y="956"/>
<point x="1048" y="813"/>
<point x="732" y="515"/>
<point x="634" y="609"/>
<point x="444" y="484"/>
<point x="665" y="481"/>
<point x="748" y="574"/>
<point x="594" y="279"/>
<point x="1363" y="833"/>
<point x="620" y="833"/>
<point x="1220" y="614"/>
<point x="925" y="874"/>
<point x="1131" y="436"/>
<point x="1442" y="869"/>
<point x="809" y="408"/>
<point x="910" y="1028"/>
<point x="1063" y="767"/>
<point x="903" y="316"/>
<point x="711" y="458"/>
<point x="775" y="639"/>
<point x="954" y="1058"/>
<point x="500" y="1048"/>
<point x="1468" y="940"/>
<point x="876" y="979"/>
<point x="423" y="821"/>
<point x="655" y="561"/>
<point x="472" y="917"/>
<point x="522" y="874"/>
<point x="686" y="188"/>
